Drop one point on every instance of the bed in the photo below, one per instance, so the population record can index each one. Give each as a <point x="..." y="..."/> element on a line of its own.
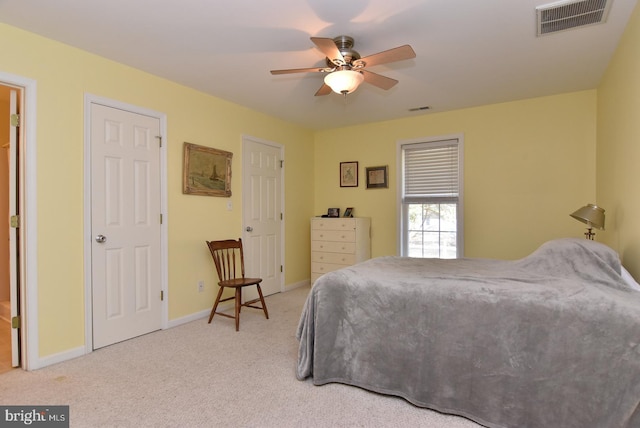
<point x="550" y="340"/>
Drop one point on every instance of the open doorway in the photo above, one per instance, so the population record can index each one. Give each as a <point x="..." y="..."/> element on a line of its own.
<point x="10" y="100"/>
<point x="11" y="331"/>
<point x="22" y="194"/>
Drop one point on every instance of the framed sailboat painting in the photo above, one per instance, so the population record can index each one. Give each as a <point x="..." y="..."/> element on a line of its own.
<point x="206" y="171"/>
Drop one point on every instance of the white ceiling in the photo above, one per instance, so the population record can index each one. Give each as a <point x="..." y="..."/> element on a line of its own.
<point x="469" y="52"/>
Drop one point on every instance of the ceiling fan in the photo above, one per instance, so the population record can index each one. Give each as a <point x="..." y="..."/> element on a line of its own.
<point x="346" y="69"/>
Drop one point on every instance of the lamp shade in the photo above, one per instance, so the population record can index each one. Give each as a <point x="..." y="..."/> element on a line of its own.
<point x="344" y="81"/>
<point x="592" y="215"/>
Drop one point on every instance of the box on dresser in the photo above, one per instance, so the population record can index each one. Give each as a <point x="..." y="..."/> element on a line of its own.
<point x="338" y="242"/>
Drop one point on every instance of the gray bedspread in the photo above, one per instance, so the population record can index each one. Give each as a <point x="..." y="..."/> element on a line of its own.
<point x="549" y="341"/>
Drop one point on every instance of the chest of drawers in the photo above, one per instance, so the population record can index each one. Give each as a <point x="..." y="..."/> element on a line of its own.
<point x="338" y="242"/>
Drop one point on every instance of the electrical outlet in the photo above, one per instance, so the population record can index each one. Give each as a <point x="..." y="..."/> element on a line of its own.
<point x="200" y="286"/>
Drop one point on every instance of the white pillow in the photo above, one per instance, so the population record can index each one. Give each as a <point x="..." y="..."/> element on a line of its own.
<point x="629" y="279"/>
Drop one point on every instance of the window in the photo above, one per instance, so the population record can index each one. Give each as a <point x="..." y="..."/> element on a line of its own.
<point x="431" y="203"/>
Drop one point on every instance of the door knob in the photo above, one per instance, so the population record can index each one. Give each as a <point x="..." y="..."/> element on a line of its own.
<point x="101" y="239"/>
<point x="249" y="229"/>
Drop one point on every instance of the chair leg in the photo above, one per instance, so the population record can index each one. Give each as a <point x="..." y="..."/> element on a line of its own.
<point x="238" y="299"/>
<point x="264" y="305"/>
<point x="215" y="305"/>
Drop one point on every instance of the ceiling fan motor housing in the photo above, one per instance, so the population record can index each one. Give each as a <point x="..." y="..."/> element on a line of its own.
<point x="345" y="46"/>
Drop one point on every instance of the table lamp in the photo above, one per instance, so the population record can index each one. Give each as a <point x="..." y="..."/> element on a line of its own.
<point x="593" y="216"/>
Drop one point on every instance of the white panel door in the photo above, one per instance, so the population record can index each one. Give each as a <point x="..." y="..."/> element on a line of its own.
<point x="262" y="208"/>
<point x="125" y="225"/>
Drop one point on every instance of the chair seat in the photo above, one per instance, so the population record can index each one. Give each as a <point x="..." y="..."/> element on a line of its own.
<point x="240" y="282"/>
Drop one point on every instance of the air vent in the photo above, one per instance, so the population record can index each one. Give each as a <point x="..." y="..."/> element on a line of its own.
<point x="419" y="108"/>
<point x="566" y="15"/>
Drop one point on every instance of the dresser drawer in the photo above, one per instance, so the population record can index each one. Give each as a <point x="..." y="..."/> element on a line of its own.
<point x="333" y="224"/>
<point x="334" y="247"/>
<point x="333" y="235"/>
<point x="325" y="267"/>
<point x="345" y="259"/>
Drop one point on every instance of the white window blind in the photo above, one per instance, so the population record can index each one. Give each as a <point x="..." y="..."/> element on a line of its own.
<point x="431" y="171"/>
<point x="431" y="187"/>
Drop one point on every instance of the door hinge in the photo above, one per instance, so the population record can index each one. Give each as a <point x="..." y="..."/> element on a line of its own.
<point x="280" y="216"/>
<point x="159" y="137"/>
<point x="281" y="163"/>
<point x="15" y="322"/>
<point x="160" y="218"/>
<point x="281" y="268"/>
<point x="162" y="295"/>
<point x="15" y="120"/>
<point x="14" y="221"/>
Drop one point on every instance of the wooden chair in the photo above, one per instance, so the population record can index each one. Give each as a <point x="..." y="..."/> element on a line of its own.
<point x="229" y="260"/>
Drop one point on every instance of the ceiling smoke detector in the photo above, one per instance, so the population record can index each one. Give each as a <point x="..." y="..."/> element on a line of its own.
<point x="565" y="15"/>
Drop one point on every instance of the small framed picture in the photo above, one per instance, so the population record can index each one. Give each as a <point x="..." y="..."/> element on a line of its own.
<point x="348" y="174"/>
<point x="333" y="212"/>
<point x="377" y="177"/>
<point x="348" y="212"/>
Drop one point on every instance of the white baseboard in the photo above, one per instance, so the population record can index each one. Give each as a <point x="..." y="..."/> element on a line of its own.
<point x="304" y="283"/>
<point x="59" y="357"/>
<point x="188" y="318"/>
<point x="226" y="306"/>
<point x="81" y="350"/>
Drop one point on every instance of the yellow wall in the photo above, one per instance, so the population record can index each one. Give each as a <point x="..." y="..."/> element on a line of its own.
<point x="63" y="76"/>
<point x="527" y="165"/>
<point x="618" y="151"/>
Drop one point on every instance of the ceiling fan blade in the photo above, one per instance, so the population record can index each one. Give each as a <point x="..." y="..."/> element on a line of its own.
<point x="301" y="70"/>
<point x="396" y="54"/>
<point x="329" y="48"/>
<point x="378" y="80"/>
<point x="324" y="90"/>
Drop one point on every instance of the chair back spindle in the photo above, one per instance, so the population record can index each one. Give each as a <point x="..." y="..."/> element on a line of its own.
<point x="228" y="258"/>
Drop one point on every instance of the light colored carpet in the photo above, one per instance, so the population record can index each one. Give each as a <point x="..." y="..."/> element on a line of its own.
<point x="209" y="375"/>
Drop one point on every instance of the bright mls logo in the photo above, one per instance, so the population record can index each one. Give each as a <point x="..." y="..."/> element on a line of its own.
<point x="34" y="416"/>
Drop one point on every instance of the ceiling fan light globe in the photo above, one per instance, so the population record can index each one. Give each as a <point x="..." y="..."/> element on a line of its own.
<point x="344" y="81"/>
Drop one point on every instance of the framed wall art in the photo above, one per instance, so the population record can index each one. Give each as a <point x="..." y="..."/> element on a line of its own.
<point x="377" y="177"/>
<point x="206" y="171"/>
<point x="348" y="174"/>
